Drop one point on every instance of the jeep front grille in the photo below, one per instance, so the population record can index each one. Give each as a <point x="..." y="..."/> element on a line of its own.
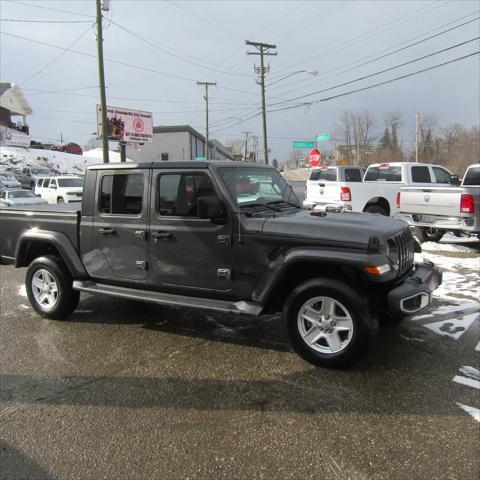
<point x="405" y="246"/>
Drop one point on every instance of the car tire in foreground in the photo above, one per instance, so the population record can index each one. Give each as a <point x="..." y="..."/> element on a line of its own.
<point x="49" y="288"/>
<point x="328" y="322"/>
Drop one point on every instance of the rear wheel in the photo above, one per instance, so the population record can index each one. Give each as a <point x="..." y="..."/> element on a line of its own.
<point x="428" y="235"/>
<point x="328" y="322"/>
<point x="49" y="288"/>
<point x="376" y="209"/>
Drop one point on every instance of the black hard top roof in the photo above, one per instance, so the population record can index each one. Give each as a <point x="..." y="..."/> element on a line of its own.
<point x="197" y="164"/>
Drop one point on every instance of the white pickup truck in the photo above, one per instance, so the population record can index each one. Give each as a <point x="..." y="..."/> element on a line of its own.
<point x="435" y="210"/>
<point x="379" y="192"/>
<point x="60" y="189"/>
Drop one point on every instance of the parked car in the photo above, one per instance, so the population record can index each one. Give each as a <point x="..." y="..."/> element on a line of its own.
<point x="185" y="234"/>
<point x="9" y="180"/>
<point x="18" y="197"/>
<point x="378" y="193"/>
<point x="327" y="185"/>
<point x="435" y="210"/>
<point x="60" y="189"/>
<point x="29" y="176"/>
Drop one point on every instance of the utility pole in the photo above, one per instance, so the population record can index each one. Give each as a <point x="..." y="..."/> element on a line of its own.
<point x="101" y="75"/>
<point x="417" y="124"/>
<point x="206" y="84"/>
<point x="263" y="49"/>
<point x="246" y="144"/>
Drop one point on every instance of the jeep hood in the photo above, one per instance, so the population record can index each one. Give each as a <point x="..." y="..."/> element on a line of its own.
<point x="350" y="228"/>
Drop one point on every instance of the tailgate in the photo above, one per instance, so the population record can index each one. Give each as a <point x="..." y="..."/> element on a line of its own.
<point x="322" y="191"/>
<point x="431" y="201"/>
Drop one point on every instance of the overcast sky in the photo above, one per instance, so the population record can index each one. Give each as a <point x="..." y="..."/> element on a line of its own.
<point x="188" y="41"/>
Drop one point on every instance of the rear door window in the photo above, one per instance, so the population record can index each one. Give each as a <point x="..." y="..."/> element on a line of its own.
<point x="385" y="174"/>
<point x="441" y="175"/>
<point x="326" y="174"/>
<point x="353" y="175"/>
<point x="121" y="194"/>
<point x="421" y="175"/>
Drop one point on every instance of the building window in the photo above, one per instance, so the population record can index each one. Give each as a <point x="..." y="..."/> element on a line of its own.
<point x="164" y="156"/>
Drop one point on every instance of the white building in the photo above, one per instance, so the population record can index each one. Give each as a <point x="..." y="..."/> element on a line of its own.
<point x="180" y="142"/>
<point x="13" y="104"/>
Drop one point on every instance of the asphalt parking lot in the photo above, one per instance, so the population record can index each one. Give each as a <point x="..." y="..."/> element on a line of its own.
<point x="124" y="390"/>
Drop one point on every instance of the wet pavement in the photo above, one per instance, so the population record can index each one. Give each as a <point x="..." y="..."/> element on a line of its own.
<point x="124" y="390"/>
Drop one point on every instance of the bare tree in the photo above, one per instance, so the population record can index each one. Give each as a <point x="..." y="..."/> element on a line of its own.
<point x="364" y="125"/>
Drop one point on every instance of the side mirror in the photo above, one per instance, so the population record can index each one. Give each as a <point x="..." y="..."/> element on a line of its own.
<point x="454" y="180"/>
<point x="54" y="187"/>
<point x="209" y="207"/>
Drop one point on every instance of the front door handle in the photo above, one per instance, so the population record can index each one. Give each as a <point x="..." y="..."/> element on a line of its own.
<point x="161" y="236"/>
<point x="107" y="231"/>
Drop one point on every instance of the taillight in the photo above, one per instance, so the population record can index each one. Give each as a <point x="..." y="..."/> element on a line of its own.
<point x="345" y="195"/>
<point x="467" y="203"/>
<point x="398" y="200"/>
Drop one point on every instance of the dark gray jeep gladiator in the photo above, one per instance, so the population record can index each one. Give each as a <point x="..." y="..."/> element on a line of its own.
<point x="224" y="236"/>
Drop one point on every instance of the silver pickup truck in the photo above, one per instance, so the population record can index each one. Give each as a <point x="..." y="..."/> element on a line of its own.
<point x="433" y="211"/>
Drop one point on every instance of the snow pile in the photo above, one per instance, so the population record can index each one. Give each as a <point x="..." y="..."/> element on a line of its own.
<point x="58" y="162"/>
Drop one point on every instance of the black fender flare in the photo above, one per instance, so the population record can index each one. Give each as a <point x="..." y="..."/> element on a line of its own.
<point x="277" y="270"/>
<point x="62" y="244"/>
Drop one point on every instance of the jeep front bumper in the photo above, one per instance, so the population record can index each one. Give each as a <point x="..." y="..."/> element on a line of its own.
<point x="415" y="293"/>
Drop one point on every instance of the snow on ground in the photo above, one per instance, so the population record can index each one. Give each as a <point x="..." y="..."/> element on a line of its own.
<point x="460" y="277"/>
<point x="59" y="162"/>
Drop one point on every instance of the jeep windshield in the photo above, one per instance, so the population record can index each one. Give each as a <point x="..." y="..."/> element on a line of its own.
<point x="257" y="189"/>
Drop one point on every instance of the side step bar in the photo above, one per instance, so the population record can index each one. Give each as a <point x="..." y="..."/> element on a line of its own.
<point x="249" y="308"/>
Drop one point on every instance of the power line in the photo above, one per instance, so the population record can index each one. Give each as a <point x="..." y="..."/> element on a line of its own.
<point x="58" y="56"/>
<point x="155" y="44"/>
<point x="378" y="73"/>
<point x="68" y="92"/>
<point x="203" y="19"/>
<point x="368" y="87"/>
<point x="50" y="8"/>
<point x="22" y="20"/>
<point x="373" y="32"/>
<point x="387" y="54"/>
<point x="85" y="54"/>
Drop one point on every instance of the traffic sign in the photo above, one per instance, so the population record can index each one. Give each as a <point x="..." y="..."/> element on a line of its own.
<point x="315" y="158"/>
<point x="303" y="144"/>
<point x="323" y="136"/>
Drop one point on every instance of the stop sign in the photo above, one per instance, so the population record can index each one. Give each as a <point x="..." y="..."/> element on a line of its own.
<point x="314" y="158"/>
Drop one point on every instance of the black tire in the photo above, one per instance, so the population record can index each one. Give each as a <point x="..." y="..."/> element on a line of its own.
<point x="376" y="209"/>
<point x="60" y="200"/>
<point x="66" y="299"/>
<point x="424" y="235"/>
<point x="353" y="344"/>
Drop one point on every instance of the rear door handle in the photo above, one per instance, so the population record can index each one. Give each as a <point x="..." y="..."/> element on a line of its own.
<point x="107" y="231"/>
<point x="161" y="236"/>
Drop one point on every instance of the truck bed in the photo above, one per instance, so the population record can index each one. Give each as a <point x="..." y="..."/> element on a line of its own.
<point x="14" y="221"/>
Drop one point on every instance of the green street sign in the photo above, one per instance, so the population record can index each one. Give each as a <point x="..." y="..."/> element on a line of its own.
<point x="323" y="136"/>
<point x="303" y="144"/>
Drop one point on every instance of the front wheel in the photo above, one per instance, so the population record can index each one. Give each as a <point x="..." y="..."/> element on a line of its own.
<point x="49" y="288"/>
<point x="328" y="322"/>
<point x="428" y="235"/>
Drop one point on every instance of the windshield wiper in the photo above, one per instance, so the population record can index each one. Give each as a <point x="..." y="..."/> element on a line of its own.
<point x="283" y="202"/>
<point x="258" y="208"/>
